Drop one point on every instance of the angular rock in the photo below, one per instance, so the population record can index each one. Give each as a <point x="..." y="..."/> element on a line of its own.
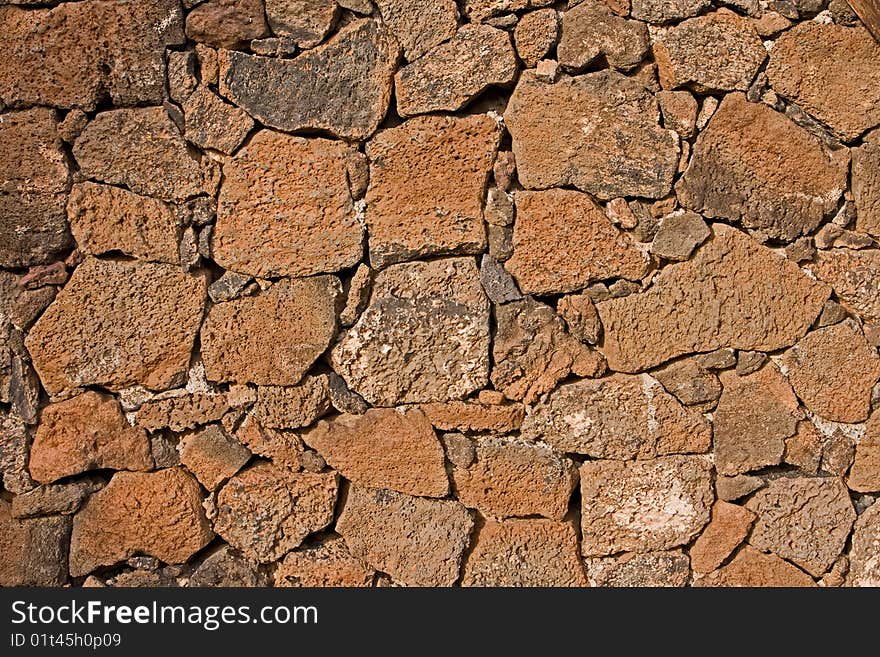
<point x="805" y="520"/>
<point x="598" y="132"/>
<point x="679" y="234"/>
<point x="417" y="541"/>
<point x="272" y="338"/>
<point x="78" y="55"/>
<point x="155" y="513"/>
<point x="864" y="558"/>
<point x="225" y="567"/>
<point x="581" y="317"/>
<point x="590" y="31"/>
<point x="732" y="293"/>
<point x="343" y="86"/>
<point x="855" y="277"/>
<point x="731" y="489"/>
<point x="689" y="382"/>
<point x="748" y="362"/>
<point x="732" y="174"/>
<point x="182" y="412"/>
<point x="213" y="124"/>
<point x="225" y="24"/>
<point x="291" y="407"/>
<point x="679" y="109"/>
<point x="63" y="499"/>
<point x="283" y="448"/>
<point x="497" y="282"/>
<point x="142" y="149"/>
<point x="448" y="76"/>
<point x="357" y="295"/>
<point x="665" y="11"/>
<point x="18" y="306"/>
<point x="343" y="399"/>
<point x="470" y="416"/>
<point x="88" y="336"/>
<point x="617" y="417"/>
<point x="751" y="568"/>
<point x="804" y="449"/>
<point x="754" y="417"/>
<point x="650" y="569"/>
<point x="87" y="432"/>
<point x="421" y="25"/>
<point x="105" y="218"/>
<point x="325" y="564"/>
<point x="532" y="351"/>
<point x="266" y="511"/>
<point x="231" y="286"/>
<point x="641" y="506"/>
<point x="804" y="69"/>
<point x="305" y="22"/>
<point x="212" y="455"/>
<point x="423" y="338"/>
<point x="728" y="528"/>
<point x="14" y="448"/>
<point x="34" y="551"/>
<point x="864" y="476"/>
<point x="838" y="453"/>
<point x="411" y="212"/>
<point x="509" y="478"/>
<point x="562" y="241"/>
<point x="833" y="370"/>
<point x="534" y="552"/>
<point x="535" y="35"/>
<point x="866" y="184"/>
<point x="383" y="448"/>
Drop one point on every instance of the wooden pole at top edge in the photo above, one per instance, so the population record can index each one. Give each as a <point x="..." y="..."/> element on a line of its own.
<point x="869" y="12"/>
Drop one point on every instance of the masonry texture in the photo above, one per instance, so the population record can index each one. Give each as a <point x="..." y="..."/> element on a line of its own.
<point x="437" y="293"/>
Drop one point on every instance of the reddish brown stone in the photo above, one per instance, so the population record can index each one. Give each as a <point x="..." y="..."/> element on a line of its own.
<point x="664" y="11"/>
<point x="728" y="528"/>
<point x="227" y="23"/>
<point x="804" y="448"/>
<point x="305" y="22"/>
<point x="213" y="124"/>
<point x="866" y="184"/>
<point x="679" y="110"/>
<point x="581" y="317"/>
<point x="419" y="26"/>
<point x="750" y="568"/>
<point x="855" y="277"/>
<point x="689" y="382"/>
<point x="731" y="489"/>
<point x="283" y="448"/>
<point x="212" y="455"/>
<point x="864" y="476"/>
<point x="535" y="35"/>
<point x="291" y="407"/>
<point x="650" y="569"/>
<point x="226" y="567"/>
<point x="470" y="416"/>
<point x="591" y="30"/>
<point x="865" y="554"/>
<point x="33" y="552"/>
<point x="182" y="412"/>
<point x="325" y="564"/>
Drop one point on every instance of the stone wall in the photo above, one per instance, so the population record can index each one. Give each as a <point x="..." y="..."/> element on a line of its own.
<point x="496" y="292"/>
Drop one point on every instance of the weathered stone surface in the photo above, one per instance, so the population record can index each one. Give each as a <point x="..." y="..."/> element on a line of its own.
<point x="752" y="568"/>
<point x="864" y="558"/>
<point x="212" y="455"/>
<point x="581" y="317"/>
<point x="283" y="448"/>
<point x="87" y="432"/>
<point x="357" y="295"/>
<point x="866" y="184"/>
<point x="653" y="569"/>
<point x="474" y="416"/>
<point x="642" y="506"/>
<point x="285" y="209"/>
<point x="805" y="520"/>
<point x="33" y="552"/>
<point x="679" y="109"/>
<point x="532" y="351"/>
<point x="755" y="166"/>
<point x="718" y="51"/>
<point x="664" y="11"/>
<point x="830" y="71"/>
<point x="524" y="553"/>
<point x="87" y="336"/>
<point x="55" y="499"/>
<point x="227" y="23"/>
<point x="591" y="30"/>
<point x="19" y="306"/>
<point x="617" y="417"/>
<point x="105" y="218"/>
<point x="423" y="338"/>
<point x="418" y="541"/>
<point x="421" y="25"/>
<point x="804" y="449"/>
<point x="679" y="234"/>
<point x="732" y="293"/>
<point x="509" y="477"/>
<point x="291" y="407"/>
<point x="864" y="476"/>
<point x="731" y="489"/>
<point x="748" y="362"/>
<point x="562" y="241"/>
<point x="225" y="567"/>
<point x="411" y="212"/>
<point x="855" y="277"/>
<point x="182" y="412"/>
<point x="78" y="54"/>
<point x="343" y="86"/>
<point x="497" y="281"/>
<point x="728" y="528"/>
<point x="832" y="370"/>
<point x="305" y="22"/>
<point x="535" y="35"/>
<point x="383" y="448"/>
<point x="598" y="132"/>
<point x="754" y="417"/>
<point x="274" y="337"/>
<point x="689" y="381"/>
<point x="156" y="513"/>
<point x="838" y="453"/>
<point x="325" y="564"/>
<point x="266" y="511"/>
<point x="213" y="124"/>
<point x="14" y="447"/>
<point x="451" y="74"/>
<point x="142" y="149"/>
<point x="33" y="184"/>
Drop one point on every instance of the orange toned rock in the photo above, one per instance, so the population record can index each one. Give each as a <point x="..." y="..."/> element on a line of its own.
<point x="411" y="212"/>
<point x="754" y="417"/>
<point x="754" y="165"/>
<point x="524" y="553"/>
<point x="864" y="558"/>
<point x="665" y="568"/>
<point x="689" y="381"/>
<point x="417" y="541"/>
<point x="866" y="184"/>
<point x="664" y="11"/>
<point x="87" y="432"/>
<point x="641" y="506"/>
<point x="751" y="568"/>
<point x="305" y="22"/>
<point x="532" y="351"/>
<point x="562" y="241"/>
<point x="730" y="489"/>
<point x="266" y="511"/>
<point x="423" y="338"/>
<point x="117" y="324"/>
<point x="470" y="416"/>
<point x="805" y="520"/>
<point x="855" y="277"/>
<point x="213" y="124"/>
<point x="679" y="110"/>
<point x="285" y="209"/>
<point x="283" y="448"/>
<point x="19" y="305"/>
<point x="182" y="412"/>
<point x="78" y="55"/>
<point x="227" y="24"/>
<point x="803" y="68"/>
<point x="385" y="449"/>
<point x="291" y="407"/>
<point x="864" y="476"/>
<point x="535" y="35"/>
<point x="509" y="477"/>
<point x="617" y="417"/>
<point x="597" y="132"/>
<point x="325" y="564"/>
<point x="728" y="528"/>
<point x="274" y="337"/>
<point x="33" y="552"/>
<point x="591" y="30"/>
<point x="419" y="26"/>
<point x="212" y="455"/>
<point x="155" y="513"/>
<point x="33" y="184"/>
<point x="804" y="448"/>
<point x="718" y="51"/>
<point x="105" y="218"/>
<point x="581" y="317"/>
<point x="732" y="293"/>
<point x="833" y="370"/>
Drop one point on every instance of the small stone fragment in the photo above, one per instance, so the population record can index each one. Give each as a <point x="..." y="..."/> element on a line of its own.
<point x="832" y="313"/>
<point x="751" y="568"/>
<point x="421" y="25"/>
<point x="720" y="359"/>
<point x="581" y="317"/>
<point x="731" y="489"/>
<point x="728" y="528"/>
<point x="665" y="11"/>
<point x="357" y="296"/>
<point x="504" y="170"/>
<point x="650" y="569"/>
<point x="591" y="30"/>
<point x="471" y="416"/>
<point x="225" y="567"/>
<point x="865" y="554"/>
<point x="292" y="407"/>
<point x="343" y="399"/>
<point x="305" y="22"/>
<point x="34" y="550"/>
<point x="325" y="564"/>
<point x="679" y="234"/>
<point x="229" y="286"/>
<point x="864" y="476"/>
<point x="535" y="35"/>
<point x="855" y="277"/>
<point x="689" y="381"/>
<point x="14" y="448"/>
<point x="748" y="362"/>
<point x="225" y="24"/>
<point x="499" y="208"/>
<point x="283" y="448"/>
<point x="72" y="125"/>
<point x="679" y="109"/>
<point x="213" y="124"/>
<point x="212" y="455"/>
<point x="804" y="448"/>
<point x="183" y="412"/>
<point x="497" y="282"/>
<point x="837" y="454"/>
